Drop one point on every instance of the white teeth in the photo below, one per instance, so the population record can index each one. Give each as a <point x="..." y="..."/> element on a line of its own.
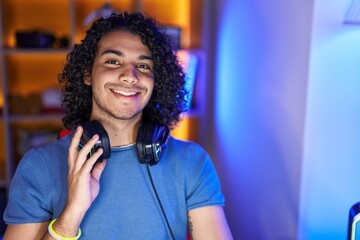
<point x="125" y="93"/>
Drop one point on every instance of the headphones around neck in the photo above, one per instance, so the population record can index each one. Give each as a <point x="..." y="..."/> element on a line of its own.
<point x="151" y="141"/>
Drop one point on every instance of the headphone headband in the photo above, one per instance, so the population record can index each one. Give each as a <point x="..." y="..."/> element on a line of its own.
<point x="151" y="141"/>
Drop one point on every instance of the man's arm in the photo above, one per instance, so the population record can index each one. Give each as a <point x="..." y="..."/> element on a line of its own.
<point x="83" y="187"/>
<point x="208" y="223"/>
<point x="29" y="231"/>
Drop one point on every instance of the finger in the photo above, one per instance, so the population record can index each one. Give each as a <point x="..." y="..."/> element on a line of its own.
<point x="73" y="148"/>
<point x="85" y="150"/>
<point x="89" y="165"/>
<point x="98" y="170"/>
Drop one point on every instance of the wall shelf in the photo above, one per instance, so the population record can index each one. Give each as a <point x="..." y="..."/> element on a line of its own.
<point x="27" y="71"/>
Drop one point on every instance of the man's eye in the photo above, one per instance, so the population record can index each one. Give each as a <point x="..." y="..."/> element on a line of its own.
<point x="112" y="62"/>
<point x="144" y="66"/>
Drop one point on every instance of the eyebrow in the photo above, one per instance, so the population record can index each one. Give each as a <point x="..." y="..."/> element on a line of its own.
<point x="121" y="54"/>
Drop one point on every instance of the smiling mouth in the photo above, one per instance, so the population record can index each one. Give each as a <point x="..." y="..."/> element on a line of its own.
<point x="127" y="94"/>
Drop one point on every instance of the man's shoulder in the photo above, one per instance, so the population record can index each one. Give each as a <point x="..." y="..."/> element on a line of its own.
<point x="55" y="146"/>
<point x="48" y="152"/>
<point x="183" y="145"/>
<point x="186" y="150"/>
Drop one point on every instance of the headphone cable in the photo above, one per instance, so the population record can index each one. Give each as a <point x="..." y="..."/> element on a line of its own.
<point x="161" y="206"/>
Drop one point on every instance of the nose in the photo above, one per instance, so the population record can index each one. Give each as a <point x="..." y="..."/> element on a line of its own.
<point x="128" y="73"/>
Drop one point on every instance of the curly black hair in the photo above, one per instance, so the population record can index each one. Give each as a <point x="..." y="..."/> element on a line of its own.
<point x="169" y="96"/>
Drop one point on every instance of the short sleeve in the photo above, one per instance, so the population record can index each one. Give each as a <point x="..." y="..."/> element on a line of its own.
<point x="29" y="192"/>
<point x="203" y="184"/>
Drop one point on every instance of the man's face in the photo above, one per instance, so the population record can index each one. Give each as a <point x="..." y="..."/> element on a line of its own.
<point x="122" y="77"/>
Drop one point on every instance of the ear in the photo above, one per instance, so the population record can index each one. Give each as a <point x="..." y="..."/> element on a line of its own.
<point x="87" y="78"/>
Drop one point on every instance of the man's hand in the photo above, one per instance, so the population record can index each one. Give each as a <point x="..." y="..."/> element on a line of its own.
<point x="83" y="188"/>
<point x="83" y="184"/>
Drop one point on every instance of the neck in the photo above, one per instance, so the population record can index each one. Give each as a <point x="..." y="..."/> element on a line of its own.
<point x="121" y="132"/>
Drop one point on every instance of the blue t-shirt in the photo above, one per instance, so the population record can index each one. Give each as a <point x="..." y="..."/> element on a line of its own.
<point x="126" y="207"/>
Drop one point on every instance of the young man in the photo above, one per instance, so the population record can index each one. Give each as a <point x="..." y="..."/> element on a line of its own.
<point x="125" y="76"/>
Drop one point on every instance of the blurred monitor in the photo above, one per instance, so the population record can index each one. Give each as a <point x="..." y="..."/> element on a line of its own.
<point x="174" y="33"/>
<point x="189" y="61"/>
<point x="354" y="222"/>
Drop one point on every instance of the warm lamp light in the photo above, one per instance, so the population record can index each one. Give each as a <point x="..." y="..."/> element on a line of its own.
<point x="182" y="130"/>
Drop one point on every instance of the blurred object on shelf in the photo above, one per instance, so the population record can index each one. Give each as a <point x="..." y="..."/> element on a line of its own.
<point x="62" y="42"/>
<point x="51" y="100"/>
<point x="174" y="33"/>
<point x="34" y="39"/>
<point x="28" y="139"/>
<point x="48" y="101"/>
<point x="40" y="39"/>
<point x="28" y="104"/>
<point x="103" y="12"/>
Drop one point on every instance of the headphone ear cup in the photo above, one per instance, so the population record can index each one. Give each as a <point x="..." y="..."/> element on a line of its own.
<point x="151" y="142"/>
<point x="141" y="145"/>
<point x="90" y="129"/>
